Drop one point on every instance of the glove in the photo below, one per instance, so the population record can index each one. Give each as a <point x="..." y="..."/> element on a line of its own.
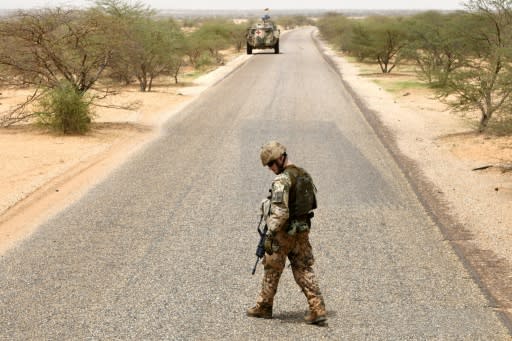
<point x="271" y="244"/>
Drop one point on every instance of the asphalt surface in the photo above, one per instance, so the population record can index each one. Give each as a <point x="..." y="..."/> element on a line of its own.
<point x="163" y="248"/>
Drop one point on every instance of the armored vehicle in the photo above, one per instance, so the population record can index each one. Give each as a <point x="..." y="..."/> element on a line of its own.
<point x="263" y="35"/>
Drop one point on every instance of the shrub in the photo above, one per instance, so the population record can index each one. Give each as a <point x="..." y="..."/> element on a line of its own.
<point x="66" y="110"/>
<point x="204" y="61"/>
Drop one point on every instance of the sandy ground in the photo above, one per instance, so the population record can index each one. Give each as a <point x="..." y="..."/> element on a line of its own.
<point x="43" y="173"/>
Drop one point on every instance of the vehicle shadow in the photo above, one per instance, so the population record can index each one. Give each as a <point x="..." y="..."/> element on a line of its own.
<point x="265" y="53"/>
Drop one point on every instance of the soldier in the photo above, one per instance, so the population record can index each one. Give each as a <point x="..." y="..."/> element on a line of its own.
<point x="289" y="220"/>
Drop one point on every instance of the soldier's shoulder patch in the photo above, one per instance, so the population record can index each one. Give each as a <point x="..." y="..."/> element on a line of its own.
<point x="278" y="189"/>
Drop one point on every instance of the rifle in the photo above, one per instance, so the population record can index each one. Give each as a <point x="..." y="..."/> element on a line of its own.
<point x="260" y="250"/>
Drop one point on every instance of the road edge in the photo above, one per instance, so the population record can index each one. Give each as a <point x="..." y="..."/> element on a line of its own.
<point x="475" y="261"/>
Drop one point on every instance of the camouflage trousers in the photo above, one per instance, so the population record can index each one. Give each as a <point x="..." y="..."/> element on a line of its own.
<point x="298" y="250"/>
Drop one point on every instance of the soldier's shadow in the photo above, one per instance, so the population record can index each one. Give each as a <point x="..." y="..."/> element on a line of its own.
<point x="296" y="317"/>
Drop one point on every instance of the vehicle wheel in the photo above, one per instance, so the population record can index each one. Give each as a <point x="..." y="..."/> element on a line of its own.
<point x="276" y="48"/>
<point x="249" y="49"/>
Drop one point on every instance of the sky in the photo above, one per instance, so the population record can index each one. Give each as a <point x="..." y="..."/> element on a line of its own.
<point x="251" y="4"/>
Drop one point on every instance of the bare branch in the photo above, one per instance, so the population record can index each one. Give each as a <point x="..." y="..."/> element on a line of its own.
<point x="20" y="112"/>
<point x="130" y="106"/>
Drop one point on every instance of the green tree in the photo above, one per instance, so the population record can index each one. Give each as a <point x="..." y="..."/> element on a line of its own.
<point x="155" y="49"/>
<point x="436" y="45"/>
<point x="213" y="36"/>
<point x="121" y="14"/>
<point x="484" y="82"/>
<point x="237" y="35"/>
<point x="124" y="9"/>
<point x="337" y="29"/>
<point x="378" y="38"/>
<point x="145" y="48"/>
<point x="387" y="38"/>
<point x="361" y="42"/>
<point x="193" y="48"/>
<point x="41" y="48"/>
<point x="49" y="45"/>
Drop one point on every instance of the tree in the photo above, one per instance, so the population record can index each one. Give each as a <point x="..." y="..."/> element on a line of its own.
<point x="204" y="45"/>
<point x="213" y="36"/>
<point x="41" y="48"/>
<point x="336" y="28"/>
<point x="484" y="82"/>
<point x="379" y="38"/>
<point x="388" y="38"/>
<point x="237" y="35"/>
<point x="193" y="48"/>
<point x="52" y="44"/>
<point x="434" y="42"/>
<point x="154" y="50"/>
<point x="123" y="9"/>
<point x="360" y="44"/>
<point x="145" y="48"/>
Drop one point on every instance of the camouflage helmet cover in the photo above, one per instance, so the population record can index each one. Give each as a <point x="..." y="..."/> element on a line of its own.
<point x="271" y="151"/>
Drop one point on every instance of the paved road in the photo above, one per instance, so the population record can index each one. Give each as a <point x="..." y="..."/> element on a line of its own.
<point x="164" y="247"/>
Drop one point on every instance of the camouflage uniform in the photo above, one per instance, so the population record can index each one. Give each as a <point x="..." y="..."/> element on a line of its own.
<point x="292" y="238"/>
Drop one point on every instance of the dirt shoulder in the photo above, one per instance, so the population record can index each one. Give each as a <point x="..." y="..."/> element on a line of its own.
<point x="43" y="173"/>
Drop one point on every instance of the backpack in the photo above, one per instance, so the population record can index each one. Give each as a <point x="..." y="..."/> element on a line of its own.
<point x="302" y="199"/>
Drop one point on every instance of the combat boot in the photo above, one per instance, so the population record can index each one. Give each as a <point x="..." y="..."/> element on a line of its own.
<point x="315" y="317"/>
<point x="260" y="310"/>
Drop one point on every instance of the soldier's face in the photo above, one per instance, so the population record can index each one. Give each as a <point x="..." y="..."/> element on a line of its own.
<point x="275" y="166"/>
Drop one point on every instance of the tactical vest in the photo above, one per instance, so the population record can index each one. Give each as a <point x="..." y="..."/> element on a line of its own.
<point x="302" y="197"/>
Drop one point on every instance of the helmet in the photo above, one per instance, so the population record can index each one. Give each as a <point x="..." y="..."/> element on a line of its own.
<point x="271" y="151"/>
